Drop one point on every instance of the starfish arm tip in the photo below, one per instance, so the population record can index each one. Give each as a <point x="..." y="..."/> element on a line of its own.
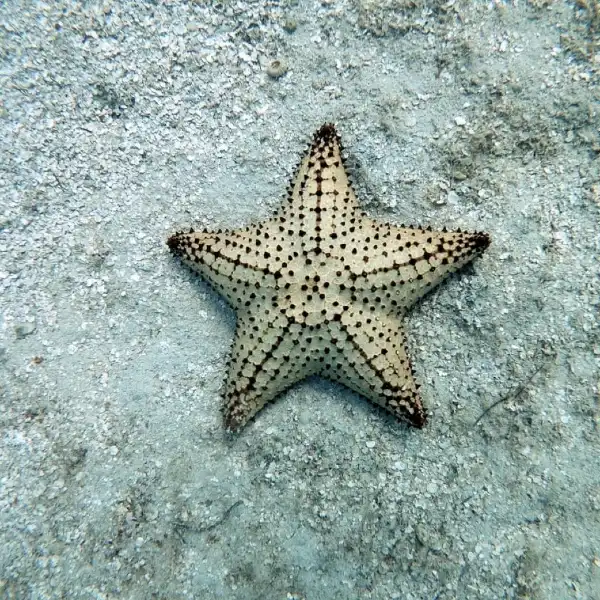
<point x="419" y="420"/>
<point x="174" y="244"/>
<point x="234" y="421"/>
<point x="326" y="133"/>
<point x="483" y="240"/>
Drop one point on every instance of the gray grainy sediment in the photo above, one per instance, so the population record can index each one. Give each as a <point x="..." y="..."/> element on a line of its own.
<point x="121" y="122"/>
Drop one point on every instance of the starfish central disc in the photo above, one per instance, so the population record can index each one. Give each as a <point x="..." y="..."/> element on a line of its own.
<point x="321" y="289"/>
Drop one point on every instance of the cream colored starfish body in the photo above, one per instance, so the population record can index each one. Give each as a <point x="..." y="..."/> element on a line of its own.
<point x="321" y="289"/>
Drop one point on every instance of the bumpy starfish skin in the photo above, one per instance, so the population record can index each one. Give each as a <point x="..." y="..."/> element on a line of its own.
<point x="320" y="288"/>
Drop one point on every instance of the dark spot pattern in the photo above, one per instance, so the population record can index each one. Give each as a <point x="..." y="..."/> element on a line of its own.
<point x="320" y="288"/>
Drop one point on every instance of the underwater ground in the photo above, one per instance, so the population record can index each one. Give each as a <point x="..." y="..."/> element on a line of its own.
<point x="121" y="122"/>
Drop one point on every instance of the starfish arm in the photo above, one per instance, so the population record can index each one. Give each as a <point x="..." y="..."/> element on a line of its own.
<point x="401" y="264"/>
<point x="372" y="359"/>
<point x="237" y="263"/>
<point x="321" y="177"/>
<point x="270" y="354"/>
<point x="320" y="196"/>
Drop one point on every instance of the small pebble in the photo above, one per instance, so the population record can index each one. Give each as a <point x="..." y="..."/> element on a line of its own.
<point x="23" y="330"/>
<point x="453" y="197"/>
<point x="290" y="25"/>
<point x="276" y="68"/>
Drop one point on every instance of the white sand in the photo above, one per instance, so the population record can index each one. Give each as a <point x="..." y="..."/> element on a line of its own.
<point x="119" y="125"/>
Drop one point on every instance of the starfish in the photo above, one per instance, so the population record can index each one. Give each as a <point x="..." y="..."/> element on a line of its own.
<point x="321" y="289"/>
